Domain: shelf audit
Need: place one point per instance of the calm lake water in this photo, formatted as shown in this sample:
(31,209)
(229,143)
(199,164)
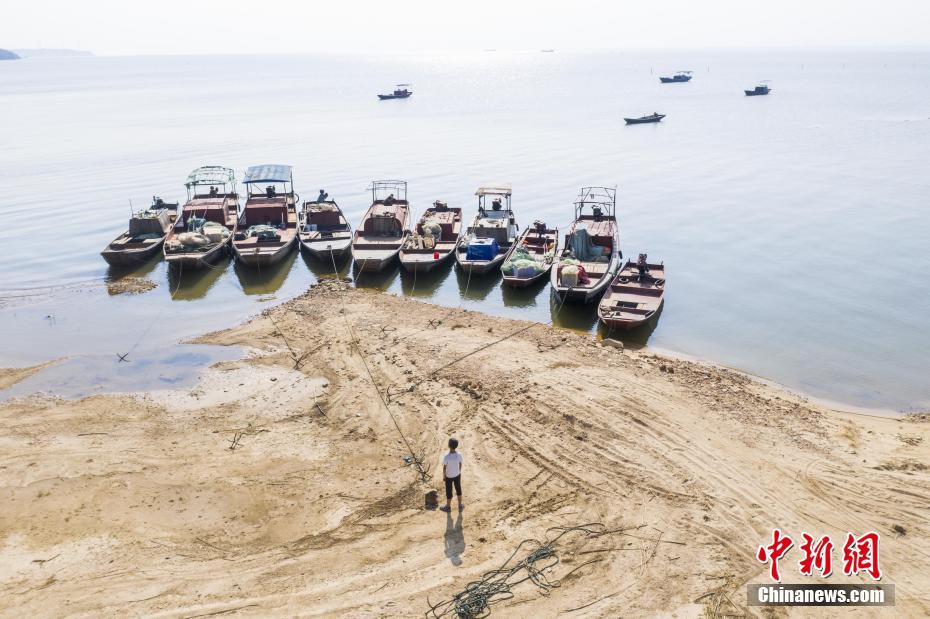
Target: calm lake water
(794,227)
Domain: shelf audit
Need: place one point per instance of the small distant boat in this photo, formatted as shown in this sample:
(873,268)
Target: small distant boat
(434,238)
(635,295)
(384,228)
(530,258)
(590,255)
(402,91)
(491,234)
(207,221)
(761,89)
(323,230)
(267,229)
(548,51)
(652,118)
(681,76)
(148,229)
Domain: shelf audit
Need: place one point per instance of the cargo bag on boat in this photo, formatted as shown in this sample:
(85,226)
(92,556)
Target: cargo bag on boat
(148,222)
(482,249)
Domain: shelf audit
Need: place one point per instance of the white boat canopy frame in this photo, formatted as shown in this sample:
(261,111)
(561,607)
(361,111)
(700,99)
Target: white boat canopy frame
(495,190)
(602,197)
(384,188)
(211,175)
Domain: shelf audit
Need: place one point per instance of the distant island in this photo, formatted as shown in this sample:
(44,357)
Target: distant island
(50,53)
(8,55)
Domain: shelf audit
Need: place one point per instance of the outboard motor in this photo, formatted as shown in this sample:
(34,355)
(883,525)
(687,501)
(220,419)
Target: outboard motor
(598,213)
(540,227)
(270,191)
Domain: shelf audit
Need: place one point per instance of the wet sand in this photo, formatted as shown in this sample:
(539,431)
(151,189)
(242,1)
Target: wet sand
(278,485)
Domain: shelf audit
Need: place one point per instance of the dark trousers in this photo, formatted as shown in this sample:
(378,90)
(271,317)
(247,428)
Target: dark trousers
(457,481)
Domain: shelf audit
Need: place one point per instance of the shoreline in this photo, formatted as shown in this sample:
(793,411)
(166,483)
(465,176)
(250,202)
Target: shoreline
(281,483)
(826,402)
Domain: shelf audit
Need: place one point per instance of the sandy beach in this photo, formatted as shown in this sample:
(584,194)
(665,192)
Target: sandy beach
(283,483)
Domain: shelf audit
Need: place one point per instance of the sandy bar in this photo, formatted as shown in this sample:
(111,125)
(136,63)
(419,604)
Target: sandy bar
(278,486)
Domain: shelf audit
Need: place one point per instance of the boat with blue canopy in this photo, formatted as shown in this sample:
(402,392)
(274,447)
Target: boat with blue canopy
(268,223)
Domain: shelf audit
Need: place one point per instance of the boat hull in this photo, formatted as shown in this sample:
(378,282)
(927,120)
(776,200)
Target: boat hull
(423,266)
(261,256)
(752,93)
(327,251)
(525,282)
(480,267)
(197,260)
(628,324)
(131,257)
(643,121)
(374,263)
(386,97)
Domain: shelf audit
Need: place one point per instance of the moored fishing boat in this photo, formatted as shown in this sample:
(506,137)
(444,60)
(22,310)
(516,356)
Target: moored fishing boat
(147,231)
(434,238)
(681,76)
(491,234)
(324,231)
(207,221)
(384,228)
(591,254)
(651,118)
(268,223)
(635,295)
(530,258)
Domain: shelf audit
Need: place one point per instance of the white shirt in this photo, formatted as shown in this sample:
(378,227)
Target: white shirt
(453,462)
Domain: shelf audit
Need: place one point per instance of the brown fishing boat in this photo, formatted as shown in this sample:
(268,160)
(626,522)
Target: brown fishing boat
(635,295)
(530,258)
(324,231)
(434,238)
(207,221)
(591,255)
(383,230)
(148,229)
(268,223)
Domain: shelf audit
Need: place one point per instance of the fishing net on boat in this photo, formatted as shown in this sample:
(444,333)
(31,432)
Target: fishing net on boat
(521,264)
(193,240)
(217,233)
(263,232)
(583,247)
(432,228)
(571,273)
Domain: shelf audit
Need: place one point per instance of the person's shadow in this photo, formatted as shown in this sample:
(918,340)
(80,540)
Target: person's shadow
(454,539)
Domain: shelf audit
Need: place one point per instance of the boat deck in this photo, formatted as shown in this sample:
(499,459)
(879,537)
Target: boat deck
(630,299)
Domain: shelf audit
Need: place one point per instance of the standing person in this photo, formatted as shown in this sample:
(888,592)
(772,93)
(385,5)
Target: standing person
(452,474)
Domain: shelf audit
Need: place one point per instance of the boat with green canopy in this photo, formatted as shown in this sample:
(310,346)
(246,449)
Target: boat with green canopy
(207,221)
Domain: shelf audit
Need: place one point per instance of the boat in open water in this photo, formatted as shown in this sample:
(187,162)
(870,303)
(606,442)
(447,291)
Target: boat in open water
(268,223)
(652,118)
(148,229)
(401,91)
(434,238)
(207,221)
(681,76)
(591,255)
(323,230)
(761,89)
(493,231)
(530,258)
(384,228)
(635,295)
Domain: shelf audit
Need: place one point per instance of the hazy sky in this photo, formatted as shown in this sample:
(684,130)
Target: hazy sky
(230,26)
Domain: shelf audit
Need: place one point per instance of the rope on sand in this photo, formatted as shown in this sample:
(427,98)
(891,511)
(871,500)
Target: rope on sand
(474,602)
